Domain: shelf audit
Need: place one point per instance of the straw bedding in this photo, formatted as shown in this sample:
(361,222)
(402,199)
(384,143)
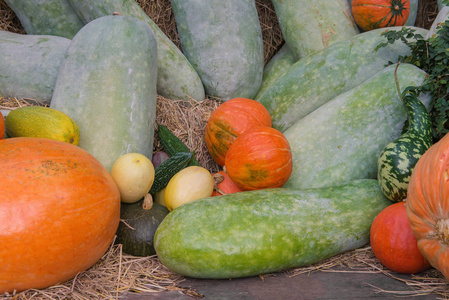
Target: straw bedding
(117,273)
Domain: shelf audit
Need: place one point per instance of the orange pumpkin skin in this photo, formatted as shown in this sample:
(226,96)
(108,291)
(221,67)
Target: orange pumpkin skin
(227,186)
(259,158)
(2,126)
(228,121)
(372,14)
(428,204)
(59,212)
(393,242)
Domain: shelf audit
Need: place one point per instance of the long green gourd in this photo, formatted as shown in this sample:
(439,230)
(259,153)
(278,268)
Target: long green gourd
(263,231)
(107,85)
(176,78)
(30,64)
(47,17)
(341,140)
(309,26)
(278,64)
(320,77)
(223,41)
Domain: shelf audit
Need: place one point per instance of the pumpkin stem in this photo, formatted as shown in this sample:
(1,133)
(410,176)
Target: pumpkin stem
(442,230)
(218,178)
(147,202)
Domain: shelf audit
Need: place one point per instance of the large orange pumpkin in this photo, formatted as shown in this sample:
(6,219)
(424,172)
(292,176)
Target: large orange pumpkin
(393,242)
(372,14)
(59,212)
(428,204)
(228,121)
(259,158)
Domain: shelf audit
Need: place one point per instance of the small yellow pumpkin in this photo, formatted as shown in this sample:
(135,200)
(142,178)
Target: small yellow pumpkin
(134,175)
(189,184)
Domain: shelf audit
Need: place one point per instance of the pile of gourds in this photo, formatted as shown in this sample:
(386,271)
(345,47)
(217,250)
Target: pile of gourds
(311,143)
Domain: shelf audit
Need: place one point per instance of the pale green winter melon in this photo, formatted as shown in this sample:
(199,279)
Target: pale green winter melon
(176,77)
(278,64)
(47,17)
(308,26)
(29,64)
(263,231)
(320,77)
(223,41)
(107,85)
(442,16)
(341,140)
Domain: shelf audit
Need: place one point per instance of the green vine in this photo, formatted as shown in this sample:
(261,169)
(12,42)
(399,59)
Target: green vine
(432,56)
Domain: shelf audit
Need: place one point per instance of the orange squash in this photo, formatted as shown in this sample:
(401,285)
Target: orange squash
(372,14)
(2,126)
(228,121)
(393,242)
(224,184)
(428,204)
(59,212)
(259,158)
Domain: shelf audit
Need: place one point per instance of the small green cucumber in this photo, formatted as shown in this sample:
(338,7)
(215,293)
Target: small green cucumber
(169,168)
(257,232)
(172,144)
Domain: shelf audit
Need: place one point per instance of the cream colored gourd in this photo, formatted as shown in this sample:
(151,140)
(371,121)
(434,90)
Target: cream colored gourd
(134,175)
(188,185)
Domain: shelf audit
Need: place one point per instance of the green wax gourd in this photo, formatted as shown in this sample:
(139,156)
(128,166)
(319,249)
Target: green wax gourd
(257,232)
(223,41)
(107,85)
(309,26)
(30,64)
(47,17)
(176,77)
(341,140)
(316,79)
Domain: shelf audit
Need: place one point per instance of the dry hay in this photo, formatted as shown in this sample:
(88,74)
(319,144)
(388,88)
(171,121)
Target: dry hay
(117,273)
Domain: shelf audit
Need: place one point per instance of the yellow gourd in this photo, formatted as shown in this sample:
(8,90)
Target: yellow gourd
(188,185)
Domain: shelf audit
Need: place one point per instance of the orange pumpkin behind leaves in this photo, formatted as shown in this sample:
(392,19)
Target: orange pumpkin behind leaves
(228,121)
(259,158)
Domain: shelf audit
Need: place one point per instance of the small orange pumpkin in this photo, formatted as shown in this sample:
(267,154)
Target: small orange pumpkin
(372,14)
(259,158)
(428,204)
(224,184)
(228,121)
(393,242)
(59,212)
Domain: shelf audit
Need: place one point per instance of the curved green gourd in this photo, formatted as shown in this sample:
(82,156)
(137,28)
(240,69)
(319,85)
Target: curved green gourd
(176,78)
(397,160)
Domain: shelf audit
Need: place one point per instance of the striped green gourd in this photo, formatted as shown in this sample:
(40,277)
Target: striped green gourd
(341,140)
(107,85)
(47,17)
(223,41)
(320,77)
(176,77)
(30,64)
(257,232)
(398,159)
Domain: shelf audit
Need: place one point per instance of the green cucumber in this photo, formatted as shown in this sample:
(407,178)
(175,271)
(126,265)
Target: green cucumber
(47,17)
(107,85)
(398,159)
(176,78)
(172,144)
(320,77)
(223,41)
(278,64)
(257,232)
(341,140)
(169,168)
(30,64)
(309,26)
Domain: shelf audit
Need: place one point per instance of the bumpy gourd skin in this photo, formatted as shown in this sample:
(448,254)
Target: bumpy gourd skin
(257,232)
(223,41)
